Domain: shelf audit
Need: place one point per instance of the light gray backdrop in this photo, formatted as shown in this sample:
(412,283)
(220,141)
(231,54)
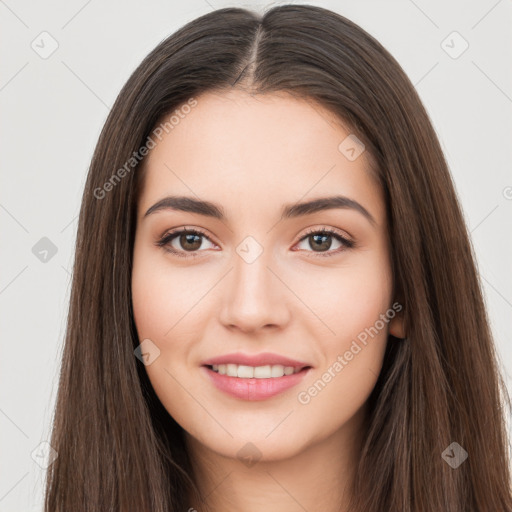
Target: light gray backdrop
(62,66)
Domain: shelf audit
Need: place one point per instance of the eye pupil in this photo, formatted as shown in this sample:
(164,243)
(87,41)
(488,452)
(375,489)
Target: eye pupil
(323,245)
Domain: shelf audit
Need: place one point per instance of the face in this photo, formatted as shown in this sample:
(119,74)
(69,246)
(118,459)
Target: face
(313,285)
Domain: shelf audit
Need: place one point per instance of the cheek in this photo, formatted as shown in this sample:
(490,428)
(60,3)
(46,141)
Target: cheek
(149,304)
(166,303)
(161,296)
(160,306)
(347,299)
(352,362)
(355,308)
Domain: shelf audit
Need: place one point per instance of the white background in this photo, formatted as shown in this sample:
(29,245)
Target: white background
(53,109)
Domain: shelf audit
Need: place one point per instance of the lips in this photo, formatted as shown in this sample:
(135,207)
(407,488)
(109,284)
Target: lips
(262,359)
(252,389)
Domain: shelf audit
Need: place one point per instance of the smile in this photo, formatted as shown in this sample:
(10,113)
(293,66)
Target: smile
(257,372)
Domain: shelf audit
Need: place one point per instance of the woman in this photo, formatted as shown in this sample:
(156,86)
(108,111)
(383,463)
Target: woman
(221,353)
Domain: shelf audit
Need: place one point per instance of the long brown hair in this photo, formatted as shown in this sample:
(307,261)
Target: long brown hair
(119,449)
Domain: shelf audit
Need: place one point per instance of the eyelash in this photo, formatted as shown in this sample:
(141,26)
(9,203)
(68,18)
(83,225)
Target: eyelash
(168,237)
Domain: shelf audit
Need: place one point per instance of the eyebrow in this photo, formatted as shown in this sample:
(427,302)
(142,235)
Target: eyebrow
(209,209)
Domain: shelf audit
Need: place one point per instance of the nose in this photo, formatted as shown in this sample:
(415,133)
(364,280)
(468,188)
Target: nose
(254,296)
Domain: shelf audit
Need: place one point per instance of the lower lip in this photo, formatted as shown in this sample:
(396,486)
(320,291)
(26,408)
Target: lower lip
(254,389)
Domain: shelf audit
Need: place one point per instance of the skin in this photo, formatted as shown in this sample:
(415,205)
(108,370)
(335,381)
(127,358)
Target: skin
(252,155)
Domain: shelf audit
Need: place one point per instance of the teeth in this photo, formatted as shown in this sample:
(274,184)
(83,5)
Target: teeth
(258,372)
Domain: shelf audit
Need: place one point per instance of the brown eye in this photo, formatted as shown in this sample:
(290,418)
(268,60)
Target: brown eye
(190,241)
(187,240)
(321,241)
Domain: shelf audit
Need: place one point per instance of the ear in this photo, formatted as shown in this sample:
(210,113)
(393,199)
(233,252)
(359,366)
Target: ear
(396,326)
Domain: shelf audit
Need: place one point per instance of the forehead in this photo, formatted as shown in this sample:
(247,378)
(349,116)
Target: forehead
(237,148)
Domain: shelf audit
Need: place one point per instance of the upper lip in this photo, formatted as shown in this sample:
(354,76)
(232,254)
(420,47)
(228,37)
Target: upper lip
(263,359)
